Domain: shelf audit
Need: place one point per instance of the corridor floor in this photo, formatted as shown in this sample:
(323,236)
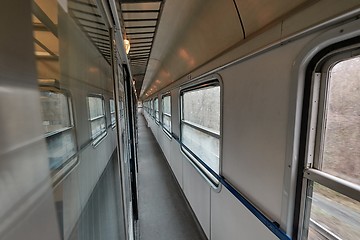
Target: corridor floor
(163,212)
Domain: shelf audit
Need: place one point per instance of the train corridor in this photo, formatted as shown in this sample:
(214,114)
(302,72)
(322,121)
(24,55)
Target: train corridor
(163,211)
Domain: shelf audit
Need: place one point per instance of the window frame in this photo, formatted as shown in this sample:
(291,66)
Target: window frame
(168,132)
(212,80)
(98,138)
(112,123)
(156,112)
(58,174)
(148,107)
(152,108)
(312,167)
(69,105)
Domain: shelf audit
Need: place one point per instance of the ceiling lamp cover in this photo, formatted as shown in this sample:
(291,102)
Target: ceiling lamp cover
(127,46)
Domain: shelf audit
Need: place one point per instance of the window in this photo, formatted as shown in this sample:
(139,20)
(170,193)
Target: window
(166,113)
(146,105)
(200,125)
(332,174)
(112,112)
(121,114)
(97,117)
(58,127)
(152,108)
(156,109)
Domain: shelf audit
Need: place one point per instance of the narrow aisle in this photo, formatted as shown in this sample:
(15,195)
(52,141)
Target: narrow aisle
(163,213)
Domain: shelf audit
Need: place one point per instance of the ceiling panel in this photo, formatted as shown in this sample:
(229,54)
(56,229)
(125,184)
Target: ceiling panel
(191,33)
(87,15)
(140,30)
(132,36)
(140,45)
(141,6)
(256,14)
(48,40)
(141,15)
(48,7)
(139,21)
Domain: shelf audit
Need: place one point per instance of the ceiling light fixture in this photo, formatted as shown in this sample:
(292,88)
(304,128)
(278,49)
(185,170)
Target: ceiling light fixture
(127,46)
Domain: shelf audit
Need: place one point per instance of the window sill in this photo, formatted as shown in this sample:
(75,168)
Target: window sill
(98,139)
(61,173)
(167,133)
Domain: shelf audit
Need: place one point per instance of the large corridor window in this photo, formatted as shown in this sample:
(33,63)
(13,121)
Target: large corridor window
(112,112)
(152,108)
(166,113)
(332,176)
(200,125)
(97,117)
(58,127)
(148,109)
(145,105)
(156,109)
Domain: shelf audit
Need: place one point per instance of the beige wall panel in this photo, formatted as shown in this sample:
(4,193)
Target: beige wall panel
(310,16)
(256,96)
(197,191)
(71,202)
(244,48)
(177,162)
(256,14)
(230,220)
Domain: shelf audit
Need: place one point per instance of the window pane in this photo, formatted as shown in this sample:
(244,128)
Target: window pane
(167,122)
(112,105)
(166,105)
(341,151)
(204,146)
(97,127)
(113,119)
(60,148)
(333,214)
(156,105)
(202,107)
(56,116)
(157,115)
(156,109)
(112,111)
(96,107)
(55,111)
